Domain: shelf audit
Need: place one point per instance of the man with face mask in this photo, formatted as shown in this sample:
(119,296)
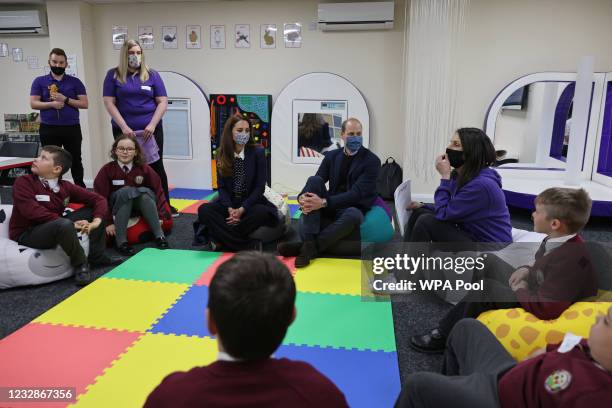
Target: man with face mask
(329,215)
(59,97)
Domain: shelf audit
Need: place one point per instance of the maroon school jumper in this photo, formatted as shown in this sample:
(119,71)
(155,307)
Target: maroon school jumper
(553,379)
(31,208)
(111,178)
(266,383)
(566,275)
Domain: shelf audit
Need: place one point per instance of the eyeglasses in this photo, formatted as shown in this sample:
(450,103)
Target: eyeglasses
(125,149)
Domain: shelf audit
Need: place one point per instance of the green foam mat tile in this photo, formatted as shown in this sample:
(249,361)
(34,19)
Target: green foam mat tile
(342,321)
(155,265)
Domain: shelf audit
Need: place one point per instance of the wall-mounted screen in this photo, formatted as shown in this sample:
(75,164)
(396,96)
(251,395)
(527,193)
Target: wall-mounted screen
(316,128)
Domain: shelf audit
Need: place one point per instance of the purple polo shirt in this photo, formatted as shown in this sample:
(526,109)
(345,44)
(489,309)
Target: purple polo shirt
(69,86)
(134,100)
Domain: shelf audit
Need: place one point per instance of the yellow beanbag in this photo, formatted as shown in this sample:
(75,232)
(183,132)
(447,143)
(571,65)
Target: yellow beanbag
(521,333)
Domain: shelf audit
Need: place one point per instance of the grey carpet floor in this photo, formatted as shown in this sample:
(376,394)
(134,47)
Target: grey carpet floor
(411,314)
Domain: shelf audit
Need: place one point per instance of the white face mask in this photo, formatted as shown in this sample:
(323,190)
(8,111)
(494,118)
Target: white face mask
(241,138)
(134,60)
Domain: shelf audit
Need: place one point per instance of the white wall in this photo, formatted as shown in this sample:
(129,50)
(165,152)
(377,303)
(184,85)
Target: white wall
(15,77)
(369,59)
(503,40)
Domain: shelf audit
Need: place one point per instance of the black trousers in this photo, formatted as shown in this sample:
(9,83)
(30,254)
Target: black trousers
(61,232)
(158,166)
(233,237)
(473,364)
(496,294)
(70,138)
(326,226)
(423,226)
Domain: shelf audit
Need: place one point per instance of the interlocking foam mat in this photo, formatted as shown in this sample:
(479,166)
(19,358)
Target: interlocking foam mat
(116,339)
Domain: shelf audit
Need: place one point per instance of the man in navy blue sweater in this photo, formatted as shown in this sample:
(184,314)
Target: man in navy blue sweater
(329,215)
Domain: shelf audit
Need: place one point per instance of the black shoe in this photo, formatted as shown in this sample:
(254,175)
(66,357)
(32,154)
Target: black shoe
(107,261)
(174,211)
(82,275)
(126,249)
(289,248)
(257,246)
(307,254)
(433,342)
(161,243)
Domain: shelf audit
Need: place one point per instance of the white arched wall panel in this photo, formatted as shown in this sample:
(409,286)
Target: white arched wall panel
(193,171)
(287,176)
(496,105)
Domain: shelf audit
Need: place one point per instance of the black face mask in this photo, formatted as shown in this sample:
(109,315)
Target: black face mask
(58,70)
(455,158)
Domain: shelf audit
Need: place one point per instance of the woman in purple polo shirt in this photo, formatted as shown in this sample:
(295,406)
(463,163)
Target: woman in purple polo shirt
(135,97)
(59,97)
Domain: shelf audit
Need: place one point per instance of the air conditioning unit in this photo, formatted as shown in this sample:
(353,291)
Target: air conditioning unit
(13,22)
(356,16)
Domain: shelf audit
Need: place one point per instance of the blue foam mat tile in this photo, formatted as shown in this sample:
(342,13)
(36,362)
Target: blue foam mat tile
(190,193)
(367,378)
(186,316)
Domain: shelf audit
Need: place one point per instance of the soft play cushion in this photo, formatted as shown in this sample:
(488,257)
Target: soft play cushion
(138,230)
(521,333)
(376,227)
(20,265)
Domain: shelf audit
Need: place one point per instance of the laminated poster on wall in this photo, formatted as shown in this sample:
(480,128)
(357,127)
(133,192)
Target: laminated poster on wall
(169,38)
(17,54)
(292,34)
(193,37)
(243,36)
(4,50)
(145,37)
(120,34)
(267,36)
(71,67)
(32,61)
(217,36)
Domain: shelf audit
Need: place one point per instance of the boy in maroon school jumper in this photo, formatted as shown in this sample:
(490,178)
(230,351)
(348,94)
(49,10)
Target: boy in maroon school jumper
(39,200)
(561,274)
(251,303)
(479,372)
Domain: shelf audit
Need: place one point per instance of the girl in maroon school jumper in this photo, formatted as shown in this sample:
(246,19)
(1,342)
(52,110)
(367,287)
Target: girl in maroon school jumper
(128,184)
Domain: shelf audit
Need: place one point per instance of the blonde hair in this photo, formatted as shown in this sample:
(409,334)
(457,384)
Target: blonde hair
(122,69)
(569,205)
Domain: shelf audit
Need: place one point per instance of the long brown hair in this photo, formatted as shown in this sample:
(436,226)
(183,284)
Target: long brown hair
(225,154)
(138,157)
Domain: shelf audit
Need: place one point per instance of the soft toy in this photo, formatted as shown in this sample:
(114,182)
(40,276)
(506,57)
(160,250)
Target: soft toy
(20,265)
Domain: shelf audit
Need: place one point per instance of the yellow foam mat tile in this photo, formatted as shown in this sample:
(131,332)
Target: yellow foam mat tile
(291,201)
(132,377)
(333,276)
(116,304)
(180,203)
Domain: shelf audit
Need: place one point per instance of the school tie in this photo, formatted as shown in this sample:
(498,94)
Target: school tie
(126,169)
(45,184)
(542,249)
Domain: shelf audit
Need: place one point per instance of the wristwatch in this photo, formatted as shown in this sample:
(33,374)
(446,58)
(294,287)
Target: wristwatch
(66,100)
(324,203)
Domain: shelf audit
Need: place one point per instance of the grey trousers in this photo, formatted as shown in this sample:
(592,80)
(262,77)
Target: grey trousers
(473,364)
(127,199)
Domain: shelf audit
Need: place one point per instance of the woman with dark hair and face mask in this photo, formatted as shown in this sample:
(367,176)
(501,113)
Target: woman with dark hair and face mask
(469,205)
(135,97)
(59,97)
(241,178)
